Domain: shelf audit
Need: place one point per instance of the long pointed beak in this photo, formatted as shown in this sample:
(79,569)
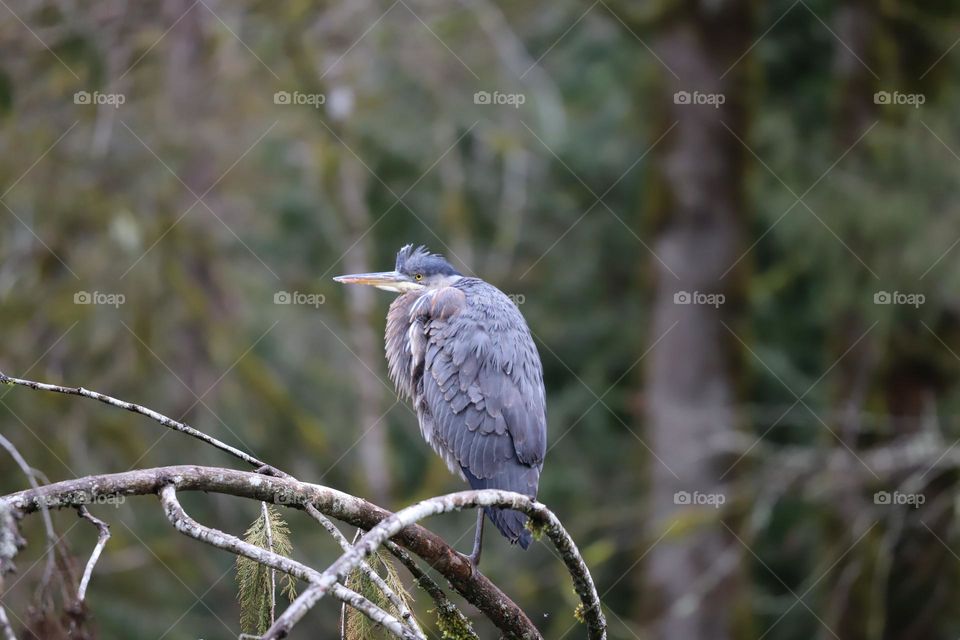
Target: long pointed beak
(375,279)
(387,280)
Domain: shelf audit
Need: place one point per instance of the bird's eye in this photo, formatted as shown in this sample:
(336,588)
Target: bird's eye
(419,276)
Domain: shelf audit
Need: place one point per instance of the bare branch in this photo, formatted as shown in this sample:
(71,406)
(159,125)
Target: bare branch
(190,527)
(454,567)
(10,544)
(170,423)
(274,486)
(294,613)
(446,609)
(29,472)
(103,534)
(5,626)
(395,600)
(539,514)
(797,465)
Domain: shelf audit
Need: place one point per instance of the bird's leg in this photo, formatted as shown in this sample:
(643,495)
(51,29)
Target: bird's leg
(477,540)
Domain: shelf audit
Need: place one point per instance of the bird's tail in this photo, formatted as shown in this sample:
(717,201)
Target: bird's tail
(512,524)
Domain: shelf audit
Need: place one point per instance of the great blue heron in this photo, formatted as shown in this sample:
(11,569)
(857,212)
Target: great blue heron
(459,349)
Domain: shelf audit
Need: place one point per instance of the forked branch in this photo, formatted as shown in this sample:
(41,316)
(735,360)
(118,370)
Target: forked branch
(541,517)
(190,527)
(503,612)
(456,568)
(273,486)
(398,602)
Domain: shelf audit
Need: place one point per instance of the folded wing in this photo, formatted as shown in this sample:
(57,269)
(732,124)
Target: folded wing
(477,385)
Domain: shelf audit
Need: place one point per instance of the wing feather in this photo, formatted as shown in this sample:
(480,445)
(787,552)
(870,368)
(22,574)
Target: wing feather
(478,387)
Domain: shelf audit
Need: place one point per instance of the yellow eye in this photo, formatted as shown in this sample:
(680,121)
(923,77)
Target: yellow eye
(419,276)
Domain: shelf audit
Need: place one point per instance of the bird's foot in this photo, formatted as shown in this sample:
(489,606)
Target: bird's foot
(474,560)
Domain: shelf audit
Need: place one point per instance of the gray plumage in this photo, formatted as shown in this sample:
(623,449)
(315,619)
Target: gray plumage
(460,350)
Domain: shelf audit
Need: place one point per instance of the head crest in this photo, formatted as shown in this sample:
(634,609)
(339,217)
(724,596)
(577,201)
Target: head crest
(408,252)
(420,257)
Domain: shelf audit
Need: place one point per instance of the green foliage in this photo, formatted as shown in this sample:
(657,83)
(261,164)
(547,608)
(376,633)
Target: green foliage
(358,626)
(256,591)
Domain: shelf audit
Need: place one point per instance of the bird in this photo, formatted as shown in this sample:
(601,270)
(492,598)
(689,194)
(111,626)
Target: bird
(461,352)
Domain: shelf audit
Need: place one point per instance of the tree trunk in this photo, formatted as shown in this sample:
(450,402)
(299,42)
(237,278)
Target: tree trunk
(689,389)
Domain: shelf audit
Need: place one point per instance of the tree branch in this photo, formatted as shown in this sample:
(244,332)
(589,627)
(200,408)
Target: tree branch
(29,472)
(390,526)
(447,611)
(482,593)
(170,423)
(5,627)
(10,544)
(454,567)
(405,614)
(190,527)
(103,534)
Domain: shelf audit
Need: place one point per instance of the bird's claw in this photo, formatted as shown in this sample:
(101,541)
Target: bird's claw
(474,560)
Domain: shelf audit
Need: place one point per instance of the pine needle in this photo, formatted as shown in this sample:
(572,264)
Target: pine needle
(357,625)
(255,587)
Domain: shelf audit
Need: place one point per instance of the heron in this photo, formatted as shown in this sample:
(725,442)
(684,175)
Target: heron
(461,352)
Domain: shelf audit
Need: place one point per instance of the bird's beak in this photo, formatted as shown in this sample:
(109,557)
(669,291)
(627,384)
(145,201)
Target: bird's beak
(386,280)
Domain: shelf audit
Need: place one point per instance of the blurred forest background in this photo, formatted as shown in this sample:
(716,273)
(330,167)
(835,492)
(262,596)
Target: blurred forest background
(732,227)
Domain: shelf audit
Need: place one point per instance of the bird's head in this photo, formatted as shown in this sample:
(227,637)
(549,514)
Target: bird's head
(416,269)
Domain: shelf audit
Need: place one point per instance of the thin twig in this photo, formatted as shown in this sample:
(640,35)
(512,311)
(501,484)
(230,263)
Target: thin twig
(103,534)
(170,423)
(10,544)
(295,612)
(47,520)
(391,595)
(221,540)
(273,573)
(445,606)
(343,605)
(543,517)
(475,587)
